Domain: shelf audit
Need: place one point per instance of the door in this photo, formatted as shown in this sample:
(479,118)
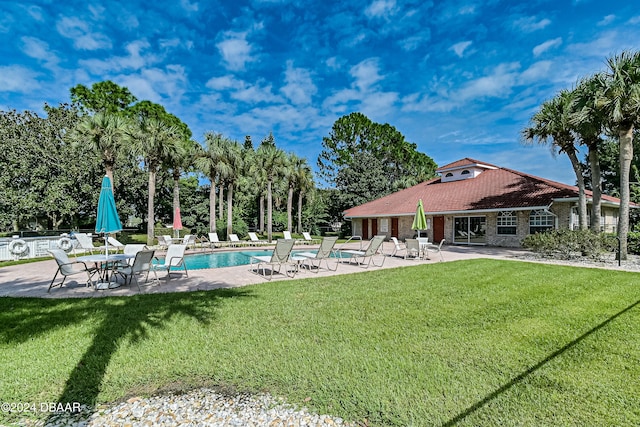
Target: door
(438,229)
(374,226)
(365,228)
(394,227)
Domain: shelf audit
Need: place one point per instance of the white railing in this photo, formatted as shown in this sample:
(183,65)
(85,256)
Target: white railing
(36,247)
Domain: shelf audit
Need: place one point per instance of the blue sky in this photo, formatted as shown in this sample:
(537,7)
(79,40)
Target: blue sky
(459,78)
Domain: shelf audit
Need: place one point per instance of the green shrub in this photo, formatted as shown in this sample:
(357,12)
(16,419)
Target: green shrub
(567,244)
(633,243)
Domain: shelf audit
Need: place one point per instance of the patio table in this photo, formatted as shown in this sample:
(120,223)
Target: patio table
(103,263)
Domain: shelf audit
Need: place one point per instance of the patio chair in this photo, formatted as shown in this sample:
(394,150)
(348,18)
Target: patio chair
(435,248)
(141,265)
(308,239)
(255,241)
(397,247)
(367,255)
(325,252)
(66,268)
(162,242)
(412,249)
(133,249)
(234,240)
(173,258)
(85,242)
(189,240)
(281,256)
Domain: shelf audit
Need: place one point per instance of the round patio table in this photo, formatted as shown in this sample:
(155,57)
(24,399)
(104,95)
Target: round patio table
(103,263)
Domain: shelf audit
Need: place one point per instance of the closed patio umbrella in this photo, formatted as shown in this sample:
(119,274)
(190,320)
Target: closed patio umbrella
(177,222)
(419,220)
(107,220)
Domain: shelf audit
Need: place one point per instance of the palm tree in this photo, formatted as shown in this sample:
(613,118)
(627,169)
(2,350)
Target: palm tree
(621,102)
(106,133)
(588,121)
(289,173)
(551,124)
(232,157)
(155,142)
(211,164)
(179,161)
(272,160)
(304,182)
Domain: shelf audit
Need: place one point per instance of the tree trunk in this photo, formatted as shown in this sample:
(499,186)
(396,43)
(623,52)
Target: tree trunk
(212,207)
(150,208)
(626,155)
(290,209)
(109,172)
(582,198)
(269,212)
(221,201)
(300,195)
(261,213)
(230,209)
(596,186)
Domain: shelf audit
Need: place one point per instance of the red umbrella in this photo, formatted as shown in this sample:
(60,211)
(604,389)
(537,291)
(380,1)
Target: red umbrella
(177,222)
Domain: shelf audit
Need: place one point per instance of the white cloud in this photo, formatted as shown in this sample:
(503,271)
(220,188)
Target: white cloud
(536,72)
(157,85)
(460,47)
(549,44)
(240,90)
(188,6)
(380,9)
(38,49)
(634,20)
(15,78)
(235,50)
(299,87)
(531,24)
(365,74)
(606,20)
(135,60)
(79,32)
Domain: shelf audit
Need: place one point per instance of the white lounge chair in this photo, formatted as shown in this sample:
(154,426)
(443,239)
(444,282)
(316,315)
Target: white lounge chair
(308,239)
(141,265)
(173,258)
(287,235)
(234,240)
(367,255)
(66,268)
(254,240)
(281,256)
(115,243)
(85,242)
(325,253)
(435,248)
(189,240)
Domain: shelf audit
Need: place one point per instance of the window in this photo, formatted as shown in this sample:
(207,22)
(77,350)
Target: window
(448,175)
(465,172)
(507,222)
(541,220)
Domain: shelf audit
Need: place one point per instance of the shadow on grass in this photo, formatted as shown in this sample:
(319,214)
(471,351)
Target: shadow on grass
(519,378)
(119,319)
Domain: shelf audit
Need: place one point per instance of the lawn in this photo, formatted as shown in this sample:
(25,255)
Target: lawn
(480,342)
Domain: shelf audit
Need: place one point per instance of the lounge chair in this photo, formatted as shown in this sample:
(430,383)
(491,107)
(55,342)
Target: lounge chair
(85,242)
(286,235)
(141,265)
(189,240)
(397,247)
(281,256)
(255,241)
(325,252)
(434,248)
(173,258)
(412,249)
(112,241)
(234,240)
(162,242)
(308,239)
(367,255)
(66,267)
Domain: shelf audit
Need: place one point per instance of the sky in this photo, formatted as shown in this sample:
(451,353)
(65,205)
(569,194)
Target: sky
(459,78)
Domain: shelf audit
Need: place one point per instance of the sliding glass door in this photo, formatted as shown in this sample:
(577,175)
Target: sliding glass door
(469,230)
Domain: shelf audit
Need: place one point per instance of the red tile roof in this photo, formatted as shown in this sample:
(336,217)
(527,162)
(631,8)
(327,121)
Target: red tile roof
(493,189)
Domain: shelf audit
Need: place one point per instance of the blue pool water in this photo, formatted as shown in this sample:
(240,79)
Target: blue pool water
(224,259)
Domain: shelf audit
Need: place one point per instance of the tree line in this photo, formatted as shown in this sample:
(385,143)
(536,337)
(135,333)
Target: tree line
(56,163)
(602,107)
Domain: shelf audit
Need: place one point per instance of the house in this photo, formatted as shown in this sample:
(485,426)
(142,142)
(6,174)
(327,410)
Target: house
(476,203)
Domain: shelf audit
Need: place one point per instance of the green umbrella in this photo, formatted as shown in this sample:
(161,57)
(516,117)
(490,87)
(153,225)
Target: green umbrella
(419,220)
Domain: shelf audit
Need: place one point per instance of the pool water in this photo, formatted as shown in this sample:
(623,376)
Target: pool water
(224,259)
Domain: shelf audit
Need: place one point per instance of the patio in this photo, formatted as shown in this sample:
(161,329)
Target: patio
(32,280)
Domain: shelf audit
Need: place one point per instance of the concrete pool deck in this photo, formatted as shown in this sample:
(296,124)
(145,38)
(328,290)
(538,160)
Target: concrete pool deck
(32,279)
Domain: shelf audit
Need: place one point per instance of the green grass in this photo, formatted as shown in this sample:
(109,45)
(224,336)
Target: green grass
(480,342)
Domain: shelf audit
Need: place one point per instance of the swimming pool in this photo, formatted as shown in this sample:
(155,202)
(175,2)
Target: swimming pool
(224,259)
